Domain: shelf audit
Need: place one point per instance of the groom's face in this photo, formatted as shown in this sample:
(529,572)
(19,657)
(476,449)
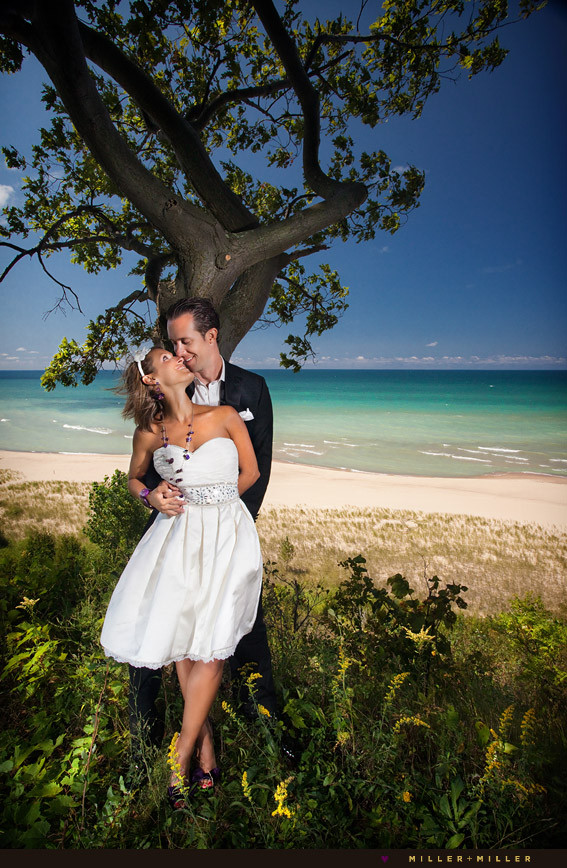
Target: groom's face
(197,351)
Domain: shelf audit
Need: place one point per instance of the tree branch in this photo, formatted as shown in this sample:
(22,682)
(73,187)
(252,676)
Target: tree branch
(153,273)
(306,251)
(308,97)
(58,47)
(242,94)
(272,239)
(189,150)
(126,241)
(137,295)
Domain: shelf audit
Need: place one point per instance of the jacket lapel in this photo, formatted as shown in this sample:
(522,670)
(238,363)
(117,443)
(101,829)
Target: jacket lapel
(231,389)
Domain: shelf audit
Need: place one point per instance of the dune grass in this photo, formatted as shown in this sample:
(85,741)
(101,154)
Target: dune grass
(53,507)
(497,560)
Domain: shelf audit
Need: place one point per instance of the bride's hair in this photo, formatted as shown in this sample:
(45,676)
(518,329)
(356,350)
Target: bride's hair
(142,402)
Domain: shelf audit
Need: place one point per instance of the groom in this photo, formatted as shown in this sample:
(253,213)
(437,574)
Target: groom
(193,327)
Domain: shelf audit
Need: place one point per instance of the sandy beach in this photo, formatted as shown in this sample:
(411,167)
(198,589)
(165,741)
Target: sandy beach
(510,498)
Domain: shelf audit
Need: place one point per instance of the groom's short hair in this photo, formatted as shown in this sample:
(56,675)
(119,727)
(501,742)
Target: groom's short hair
(204,315)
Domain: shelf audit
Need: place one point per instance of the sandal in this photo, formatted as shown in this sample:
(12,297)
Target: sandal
(178,796)
(175,798)
(203,780)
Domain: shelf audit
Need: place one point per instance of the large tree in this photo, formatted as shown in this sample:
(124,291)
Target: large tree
(156,108)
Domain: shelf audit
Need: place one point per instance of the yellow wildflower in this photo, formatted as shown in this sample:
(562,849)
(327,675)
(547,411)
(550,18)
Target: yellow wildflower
(175,765)
(227,707)
(246,788)
(27,603)
(280,796)
(527,789)
(505,722)
(407,797)
(414,720)
(527,728)
(250,681)
(492,761)
(264,711)
(394,685)
(419,639)
(338,679)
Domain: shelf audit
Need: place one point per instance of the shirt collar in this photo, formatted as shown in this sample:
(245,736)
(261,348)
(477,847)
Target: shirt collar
(221,378)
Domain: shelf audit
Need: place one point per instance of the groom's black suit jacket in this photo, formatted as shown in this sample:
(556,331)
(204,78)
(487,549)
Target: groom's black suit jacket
(245,390)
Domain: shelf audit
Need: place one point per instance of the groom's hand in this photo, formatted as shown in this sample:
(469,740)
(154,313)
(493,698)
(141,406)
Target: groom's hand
(165,498)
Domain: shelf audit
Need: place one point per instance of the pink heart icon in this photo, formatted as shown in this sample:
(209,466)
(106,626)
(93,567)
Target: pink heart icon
(384,858)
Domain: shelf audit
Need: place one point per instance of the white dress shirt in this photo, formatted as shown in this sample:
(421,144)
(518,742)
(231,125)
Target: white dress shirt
(208,393)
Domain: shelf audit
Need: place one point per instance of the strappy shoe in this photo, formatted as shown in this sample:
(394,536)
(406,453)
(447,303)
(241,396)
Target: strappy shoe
(178,796)
(202,780)
(175,798)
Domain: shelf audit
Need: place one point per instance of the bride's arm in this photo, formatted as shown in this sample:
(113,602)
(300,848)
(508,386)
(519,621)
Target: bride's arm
(247,464)
(165,497)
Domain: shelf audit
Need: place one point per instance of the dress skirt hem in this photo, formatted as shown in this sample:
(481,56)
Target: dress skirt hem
(221,654)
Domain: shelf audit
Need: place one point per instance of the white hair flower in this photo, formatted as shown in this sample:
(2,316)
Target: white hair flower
(140,355)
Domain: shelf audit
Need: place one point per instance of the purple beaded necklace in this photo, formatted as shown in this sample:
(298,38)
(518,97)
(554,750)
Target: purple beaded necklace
(186,453)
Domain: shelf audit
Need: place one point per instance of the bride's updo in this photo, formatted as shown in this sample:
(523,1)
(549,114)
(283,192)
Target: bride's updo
(144,404)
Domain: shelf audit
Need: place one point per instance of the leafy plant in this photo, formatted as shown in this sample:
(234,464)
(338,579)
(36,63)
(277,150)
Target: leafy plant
(384,758)
(116,519)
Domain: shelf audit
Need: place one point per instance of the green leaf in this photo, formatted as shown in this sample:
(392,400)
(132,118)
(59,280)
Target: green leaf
(457,787)
(482,733)
(400,586)
(455,841)
(47,790)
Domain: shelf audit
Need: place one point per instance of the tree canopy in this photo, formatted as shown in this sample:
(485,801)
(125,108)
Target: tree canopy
(158,109)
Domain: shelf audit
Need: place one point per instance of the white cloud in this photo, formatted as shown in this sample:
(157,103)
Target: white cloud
(5,193)
(385,249)
(20,350)
(501,269)
(523,362)
(432,344)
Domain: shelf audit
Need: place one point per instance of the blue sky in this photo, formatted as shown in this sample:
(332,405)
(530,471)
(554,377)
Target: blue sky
(475,279)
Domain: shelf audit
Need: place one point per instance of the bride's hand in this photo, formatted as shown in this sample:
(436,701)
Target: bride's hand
(165,498)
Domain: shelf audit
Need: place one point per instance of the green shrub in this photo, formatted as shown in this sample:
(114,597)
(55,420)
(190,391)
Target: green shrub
(397,745)
(116,519)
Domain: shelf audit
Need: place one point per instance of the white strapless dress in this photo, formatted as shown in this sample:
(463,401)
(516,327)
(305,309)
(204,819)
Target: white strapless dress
(192,586)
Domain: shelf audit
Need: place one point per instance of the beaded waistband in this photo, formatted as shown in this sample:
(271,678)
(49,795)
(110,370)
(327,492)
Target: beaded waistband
(211,495)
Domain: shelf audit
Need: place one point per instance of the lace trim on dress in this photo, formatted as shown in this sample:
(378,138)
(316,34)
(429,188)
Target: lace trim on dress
(223,654)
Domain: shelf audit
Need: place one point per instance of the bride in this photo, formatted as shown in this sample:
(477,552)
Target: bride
(190,591)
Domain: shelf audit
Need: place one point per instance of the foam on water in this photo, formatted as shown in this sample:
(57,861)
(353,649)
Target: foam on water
(85,428)
(456,457)
(429,423)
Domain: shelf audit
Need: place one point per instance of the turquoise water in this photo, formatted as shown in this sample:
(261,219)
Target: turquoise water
(425,423)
